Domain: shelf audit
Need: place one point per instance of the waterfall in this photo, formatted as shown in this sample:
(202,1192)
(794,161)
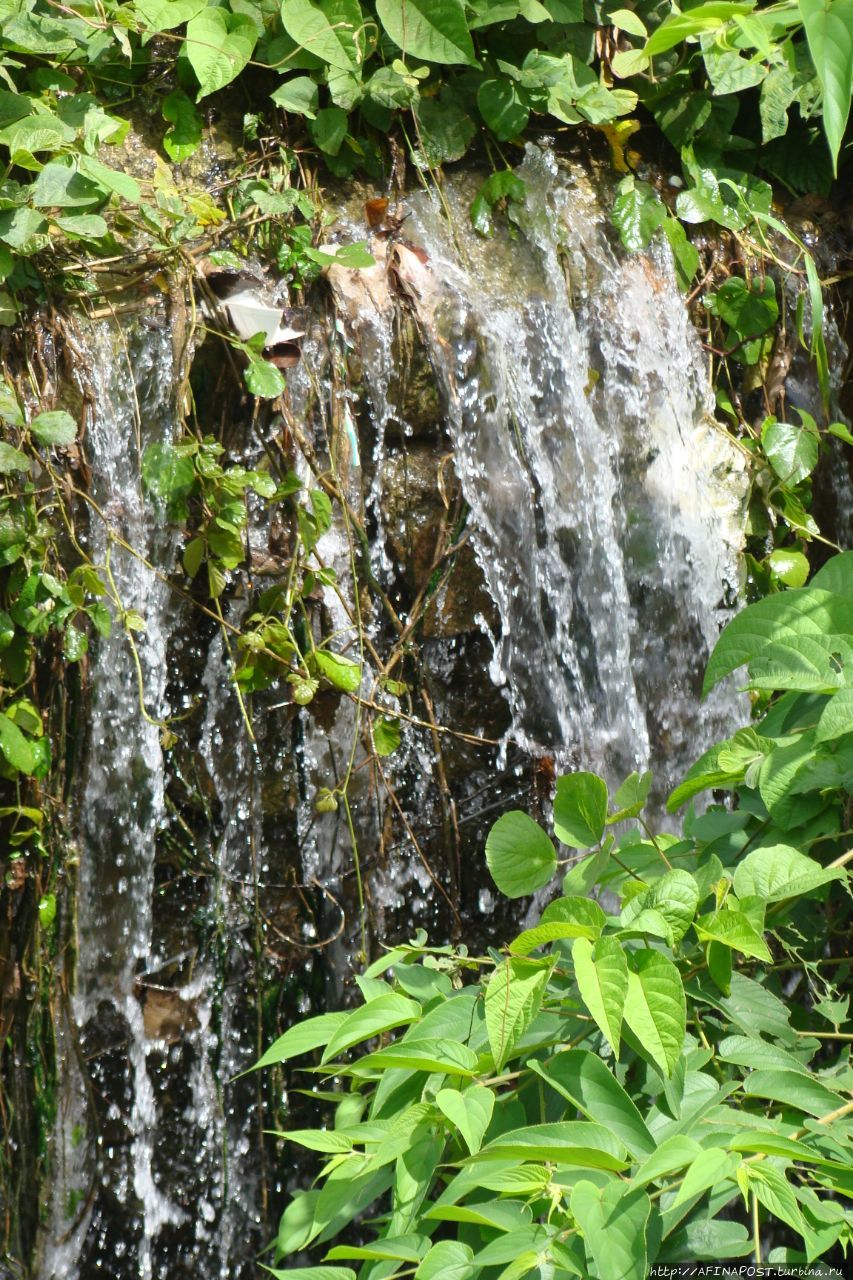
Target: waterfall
(600,514)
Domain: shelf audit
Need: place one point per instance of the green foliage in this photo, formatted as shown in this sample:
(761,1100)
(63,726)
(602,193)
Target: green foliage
(614,1091)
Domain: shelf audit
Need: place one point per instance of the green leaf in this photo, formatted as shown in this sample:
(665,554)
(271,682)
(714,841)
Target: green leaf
(122,184)
(580,809)
(312,1273)
(637,213)
(85,226)
(709,1168)
(299,95)
(386,735)
(182,139)
(15,747)
(584,1079)
(583,915)
(681,26)
(674,1153)
(519,855)
(503,185)
(445,1056)
(778,871)
(445,131)
(329,129)
(513,997)
(332,30)
(447,1260)
(793,1089)
(602,977)
(338,670)
(60,186)
(382,1014)
(12,460)
(503,107)
(631,797)
(613,1222)
(313,1033)
(836,719)
(773,1190)
(655,1008)
(470,1111)
(735,930)
(219,44)
(165,15)
(805,611)
(675,895)
(574,1144)
(434,30)
(829,32)
(790,567)
(391,1248)
(263,379)
(792,451)
(168,476)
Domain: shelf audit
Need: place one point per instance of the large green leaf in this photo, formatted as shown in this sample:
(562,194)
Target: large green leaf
(15,747)
(829,31)
(519,855)
(792,451)
(675,895)
(602,977)
(447,1260)
(164,15)
(673,1153)
(431,1055)
(613,1223)
(513,997)
(469,1110)
(805,611)
(735,930)
(219,44)
(571,1143)
(580,809)
(332,30)
(778,871)
(655,1008)
(703,17)
(709,1168)
(793,1089)
(434,30)
(342,672)
(836,719)
(583,1078)
(382,1014)
(305,1036)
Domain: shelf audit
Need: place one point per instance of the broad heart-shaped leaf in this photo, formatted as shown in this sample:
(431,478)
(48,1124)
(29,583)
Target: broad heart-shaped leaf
(583,914)
(513,997)
(803,663)
(305,1036)
(829,32)
(447,1260)
(655,1008)
(778,872)
(435,30)
(586,1081)
(502,107)
(807,611)
(298,94)
(575,1144)
(519,855)
(836,719)
(470,1111)
(332,30)
(12,459)
(382,1014)
(219,44)
(54,427)
(602,977)
(263,379)
(791,450)
(580,809)
(182,139)
(735,930)
(613,1223)
(675,896)
(637,213)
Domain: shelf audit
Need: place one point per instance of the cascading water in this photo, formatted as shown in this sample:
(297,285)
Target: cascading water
(603,506)
(605,503)
(121,809)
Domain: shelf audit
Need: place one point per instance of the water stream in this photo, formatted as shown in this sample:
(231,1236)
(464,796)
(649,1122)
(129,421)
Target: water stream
(603,509)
